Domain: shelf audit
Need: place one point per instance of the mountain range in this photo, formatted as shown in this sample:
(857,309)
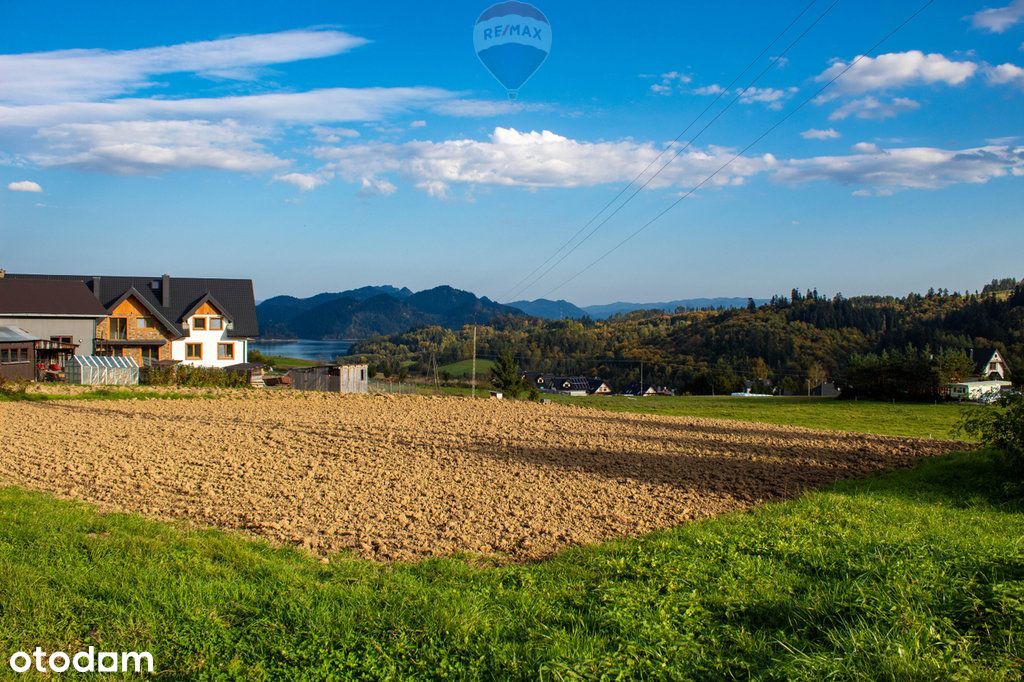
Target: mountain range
(372,311)
(381,310)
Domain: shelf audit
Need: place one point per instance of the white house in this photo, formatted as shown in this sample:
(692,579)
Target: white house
(989,379)
(208,343)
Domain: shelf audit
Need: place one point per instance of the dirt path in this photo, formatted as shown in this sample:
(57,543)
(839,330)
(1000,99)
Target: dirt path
(405,478)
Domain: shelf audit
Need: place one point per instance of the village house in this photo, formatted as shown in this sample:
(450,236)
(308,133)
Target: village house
(167,320)
(991,377)
(564,385)
(598,387)
(42,323)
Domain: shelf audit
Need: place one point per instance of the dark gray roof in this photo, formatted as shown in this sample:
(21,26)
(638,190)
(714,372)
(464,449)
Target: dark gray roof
(233,296)
(47,296)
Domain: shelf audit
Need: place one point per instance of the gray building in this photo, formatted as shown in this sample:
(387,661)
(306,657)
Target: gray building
(61,311)
(331,378)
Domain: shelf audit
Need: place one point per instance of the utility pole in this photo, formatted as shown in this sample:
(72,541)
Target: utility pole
(474,360)
(641,378)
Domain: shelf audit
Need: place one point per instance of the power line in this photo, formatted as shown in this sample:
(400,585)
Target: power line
(689,142)
(669,146)
(745,149)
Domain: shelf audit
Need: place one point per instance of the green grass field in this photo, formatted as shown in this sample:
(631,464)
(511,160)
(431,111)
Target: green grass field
(864,416)
(103,394)
(914,575)
(281,362)
(463,369)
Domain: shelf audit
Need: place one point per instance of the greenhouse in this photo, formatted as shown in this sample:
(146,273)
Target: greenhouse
(101,370)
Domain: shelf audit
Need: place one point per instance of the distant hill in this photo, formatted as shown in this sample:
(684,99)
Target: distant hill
(601,312)
(550,310)
(557,310)
(373,311)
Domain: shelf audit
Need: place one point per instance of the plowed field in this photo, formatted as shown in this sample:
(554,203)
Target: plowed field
(411,477)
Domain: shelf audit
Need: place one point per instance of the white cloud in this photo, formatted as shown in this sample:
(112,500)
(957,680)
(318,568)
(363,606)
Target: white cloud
(333,135)
(873,108)
(894,70)
(999,19)
(532,160)
(511,158)
(772,97)
(304,181)
(865,148)
(310,107)
(671,81)
(1005,74)
(819,134)
(90,74)
(880,171)
(134,147)
(24,186)
(418,124)
(713,89)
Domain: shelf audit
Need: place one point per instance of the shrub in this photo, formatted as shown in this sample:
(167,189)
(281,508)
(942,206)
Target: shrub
(197,377)
(13,387)
(1000,426)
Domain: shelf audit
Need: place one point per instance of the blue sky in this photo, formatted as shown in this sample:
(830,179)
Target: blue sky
(323,145)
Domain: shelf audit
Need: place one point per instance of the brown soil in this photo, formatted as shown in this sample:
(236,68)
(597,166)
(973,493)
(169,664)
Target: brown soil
(411,477)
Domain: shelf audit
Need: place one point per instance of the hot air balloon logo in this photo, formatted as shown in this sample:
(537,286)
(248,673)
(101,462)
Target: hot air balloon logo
(512,40)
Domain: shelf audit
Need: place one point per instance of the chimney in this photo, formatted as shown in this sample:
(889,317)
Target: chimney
(165,291)
(96,287)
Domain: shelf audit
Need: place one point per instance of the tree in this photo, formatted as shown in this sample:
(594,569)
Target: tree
(1001,427)
(953,366)
(505,375)
(816,375)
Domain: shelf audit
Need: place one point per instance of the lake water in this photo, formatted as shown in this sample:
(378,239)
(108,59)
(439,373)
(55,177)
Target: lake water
(306,349)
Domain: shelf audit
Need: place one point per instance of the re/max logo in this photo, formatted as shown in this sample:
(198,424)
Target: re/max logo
(512,30)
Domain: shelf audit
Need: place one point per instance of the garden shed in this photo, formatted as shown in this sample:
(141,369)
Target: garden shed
(331,378)
(101,370)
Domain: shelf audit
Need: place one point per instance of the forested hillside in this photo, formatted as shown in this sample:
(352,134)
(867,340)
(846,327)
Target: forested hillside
(784,343)
(372,311)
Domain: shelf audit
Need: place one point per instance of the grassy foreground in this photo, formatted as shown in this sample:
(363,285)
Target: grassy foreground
(920,420)
(917,574)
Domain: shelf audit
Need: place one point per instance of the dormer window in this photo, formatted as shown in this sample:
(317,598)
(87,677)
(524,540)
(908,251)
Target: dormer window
(216,323)
(199,323)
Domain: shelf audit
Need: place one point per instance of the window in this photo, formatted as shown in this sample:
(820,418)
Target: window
(145,323)
(225,351)
(61,339)
(362,375)
(23,355)
(5,355)
(199,323)
(193,351)
(216,323)
(119,328)
(150,355)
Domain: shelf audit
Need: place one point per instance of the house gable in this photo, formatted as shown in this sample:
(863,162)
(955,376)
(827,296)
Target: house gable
(132,303)
(207,305)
